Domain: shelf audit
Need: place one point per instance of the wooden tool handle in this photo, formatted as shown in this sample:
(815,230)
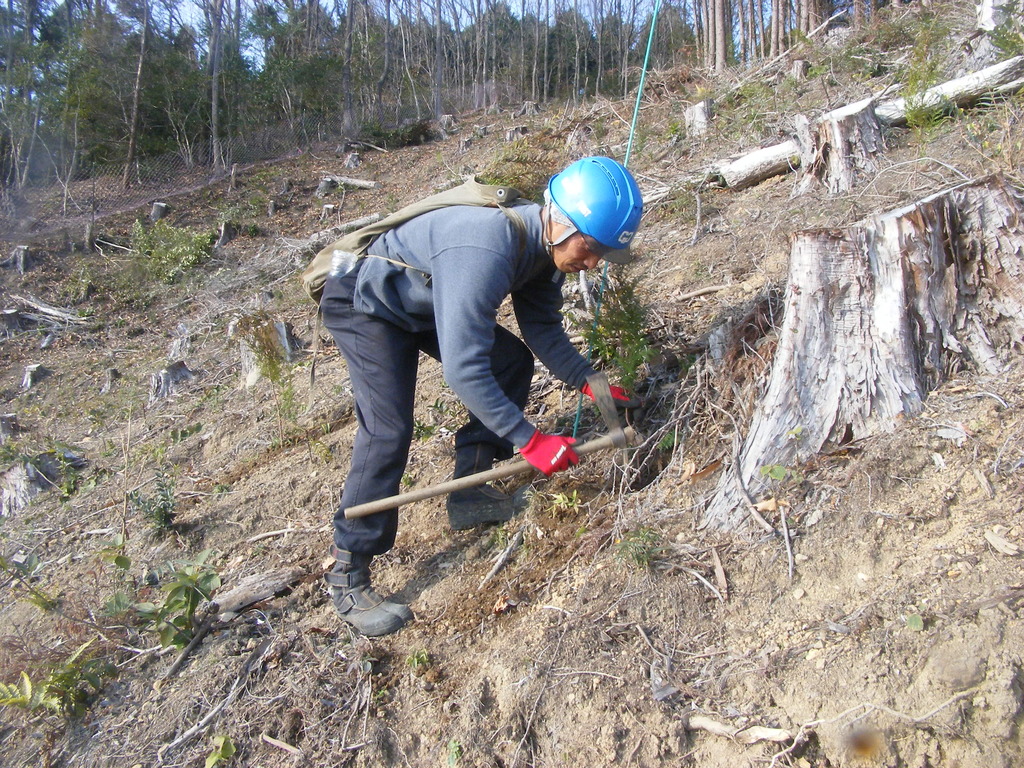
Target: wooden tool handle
(471,481)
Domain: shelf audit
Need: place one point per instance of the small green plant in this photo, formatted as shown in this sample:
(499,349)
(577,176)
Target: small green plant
(169,251)
(418,661)
(68,689)
(422,431)
(177,435)
(223,750)
(1008,36)
(566,503)
(454,752)
(780,473)
(617,337)
(158,509)
(924,113)
(22,570)
(639,548)
(189,585)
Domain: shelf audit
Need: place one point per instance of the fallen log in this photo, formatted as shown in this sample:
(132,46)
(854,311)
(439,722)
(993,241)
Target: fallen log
(1003,78)
(346,181)
(319,240)
(54,313)
(754,167)
(876,316)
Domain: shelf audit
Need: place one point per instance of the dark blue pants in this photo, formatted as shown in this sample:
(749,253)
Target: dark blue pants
(382,363)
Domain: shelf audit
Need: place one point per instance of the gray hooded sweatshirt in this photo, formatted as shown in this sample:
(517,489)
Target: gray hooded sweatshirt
(466,261)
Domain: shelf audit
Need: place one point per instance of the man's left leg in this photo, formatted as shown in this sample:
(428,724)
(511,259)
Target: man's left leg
(477,447)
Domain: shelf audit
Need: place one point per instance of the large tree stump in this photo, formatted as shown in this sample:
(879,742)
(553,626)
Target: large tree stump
(840,147)
(876,316)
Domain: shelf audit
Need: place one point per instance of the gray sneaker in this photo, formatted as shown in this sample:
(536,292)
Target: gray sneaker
(357,603)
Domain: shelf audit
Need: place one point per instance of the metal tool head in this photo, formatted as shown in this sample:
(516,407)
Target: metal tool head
(602,392)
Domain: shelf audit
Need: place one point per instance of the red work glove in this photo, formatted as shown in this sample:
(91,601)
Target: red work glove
(623,400)
(550,453)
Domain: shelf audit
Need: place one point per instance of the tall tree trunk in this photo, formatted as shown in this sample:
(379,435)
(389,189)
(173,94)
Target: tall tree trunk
(133,126)
(348,109)
(438,62)
(216,17)
(721,36)
(385,70)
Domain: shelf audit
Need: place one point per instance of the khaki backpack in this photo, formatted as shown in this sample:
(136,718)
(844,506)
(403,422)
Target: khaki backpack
(470,192)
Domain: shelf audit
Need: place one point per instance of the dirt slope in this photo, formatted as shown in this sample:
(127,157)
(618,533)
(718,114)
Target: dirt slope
(619,623)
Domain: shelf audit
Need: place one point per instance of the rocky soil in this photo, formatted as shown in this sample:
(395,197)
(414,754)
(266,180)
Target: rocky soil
(884,630)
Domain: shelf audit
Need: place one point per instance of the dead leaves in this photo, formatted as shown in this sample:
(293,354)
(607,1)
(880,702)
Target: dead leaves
(997,539)
(693,475)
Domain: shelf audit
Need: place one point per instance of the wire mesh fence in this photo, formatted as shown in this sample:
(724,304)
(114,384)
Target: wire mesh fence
(76,196)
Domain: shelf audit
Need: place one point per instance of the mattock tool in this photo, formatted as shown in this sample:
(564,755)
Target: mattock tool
(618,437)
(602,392)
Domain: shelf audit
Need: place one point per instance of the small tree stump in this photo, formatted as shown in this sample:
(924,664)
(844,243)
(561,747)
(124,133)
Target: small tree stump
(799,68)
(10,323)
(232,184)
(89,237)
(516,133)
(840,148)
(167,380)
(325,187)
(352,160)
(876,316)
(110,377)
(264,344)
(271,209)
(697,118)
(21,259)
(227,233)
(28,478)
(8,426)
(181,346)
(464,144)
(158,211)
(480,131)
(329,211)
(528,109)
(446,123)
(34,373)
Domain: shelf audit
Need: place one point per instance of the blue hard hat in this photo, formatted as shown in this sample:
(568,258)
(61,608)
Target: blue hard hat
(603,201)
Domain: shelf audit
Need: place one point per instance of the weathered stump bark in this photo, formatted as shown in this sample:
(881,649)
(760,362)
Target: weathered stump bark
(352,160)
(446,122)
(181,346)
(255,588)
(799,68)
(528,109)
(271,209)
(158,211)
(840,148)
(697,118)
(167,380)
(876,316)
